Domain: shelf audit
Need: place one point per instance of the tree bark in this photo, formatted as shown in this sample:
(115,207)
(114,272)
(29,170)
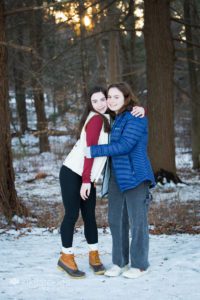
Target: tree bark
(114,66)
(37,84)
(20,91)
(10,204)
(159,64)
(189,16)
(128,48)
(101,62)
(83,53)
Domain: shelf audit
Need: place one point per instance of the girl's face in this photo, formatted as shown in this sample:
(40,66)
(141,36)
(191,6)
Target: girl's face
(99,103)
(115,99)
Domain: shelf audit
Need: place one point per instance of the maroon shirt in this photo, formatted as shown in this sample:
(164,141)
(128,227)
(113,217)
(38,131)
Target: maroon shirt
(93,129)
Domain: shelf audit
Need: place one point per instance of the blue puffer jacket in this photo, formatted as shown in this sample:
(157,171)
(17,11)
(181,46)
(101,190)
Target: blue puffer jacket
(128,149)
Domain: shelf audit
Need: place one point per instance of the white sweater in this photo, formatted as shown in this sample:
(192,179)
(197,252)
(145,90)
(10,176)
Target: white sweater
(75,159)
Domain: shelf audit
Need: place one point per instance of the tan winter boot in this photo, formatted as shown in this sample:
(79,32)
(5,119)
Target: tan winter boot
(95,263)
(67,263)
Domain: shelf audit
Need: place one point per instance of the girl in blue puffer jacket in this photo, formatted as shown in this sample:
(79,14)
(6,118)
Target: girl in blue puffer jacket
(130,179)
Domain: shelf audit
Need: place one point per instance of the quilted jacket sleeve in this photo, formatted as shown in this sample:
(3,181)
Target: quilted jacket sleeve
(132,133)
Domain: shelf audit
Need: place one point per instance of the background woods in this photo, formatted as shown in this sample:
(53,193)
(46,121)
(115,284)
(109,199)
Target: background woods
(52,52)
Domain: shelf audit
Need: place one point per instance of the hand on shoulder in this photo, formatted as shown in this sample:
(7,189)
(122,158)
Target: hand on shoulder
(138,111)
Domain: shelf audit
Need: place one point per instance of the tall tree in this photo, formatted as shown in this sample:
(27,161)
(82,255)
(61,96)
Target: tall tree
(100,48)
(19,78)
(190,11)
(101,61)
(9,202)
(114,65)
(36,21)
(159,65)
(127,42)
(83,51)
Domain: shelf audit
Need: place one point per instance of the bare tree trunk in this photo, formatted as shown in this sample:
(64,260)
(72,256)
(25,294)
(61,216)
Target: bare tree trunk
(160,60)
(18,71)
(101,71)
(114,66)
(20,91)
(83,71)
(83,53)
(101,62)
(20,98)
(37,84)
(114,70)
(128,47)
(189,15)
(10,204)
(132,38)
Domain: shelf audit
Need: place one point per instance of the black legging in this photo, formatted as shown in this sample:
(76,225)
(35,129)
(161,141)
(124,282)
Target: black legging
(70,183)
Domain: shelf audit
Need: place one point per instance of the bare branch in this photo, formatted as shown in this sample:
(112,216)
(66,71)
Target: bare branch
(181,21)
(187,42)
(55,57)
(34,8)
(44,6)
(186,60)
(21,48)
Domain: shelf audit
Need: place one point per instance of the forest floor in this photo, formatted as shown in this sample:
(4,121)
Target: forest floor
(174,209)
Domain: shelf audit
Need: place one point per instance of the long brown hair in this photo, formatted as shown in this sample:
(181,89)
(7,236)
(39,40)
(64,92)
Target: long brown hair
(130,100)
(89,108)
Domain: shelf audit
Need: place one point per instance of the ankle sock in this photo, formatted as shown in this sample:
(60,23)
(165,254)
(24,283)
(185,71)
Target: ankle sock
(93,247)
(69,250)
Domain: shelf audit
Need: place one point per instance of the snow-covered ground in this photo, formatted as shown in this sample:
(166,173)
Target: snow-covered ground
(29,259)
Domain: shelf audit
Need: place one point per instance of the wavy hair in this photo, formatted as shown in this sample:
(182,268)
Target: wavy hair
(89,108)
(130,100)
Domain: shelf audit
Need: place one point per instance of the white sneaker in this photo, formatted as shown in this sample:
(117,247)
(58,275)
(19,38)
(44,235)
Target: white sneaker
(134,273)
(115,271)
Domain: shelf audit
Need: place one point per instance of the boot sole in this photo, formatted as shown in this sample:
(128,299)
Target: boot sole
(136,276)
(74,277)
(98,272)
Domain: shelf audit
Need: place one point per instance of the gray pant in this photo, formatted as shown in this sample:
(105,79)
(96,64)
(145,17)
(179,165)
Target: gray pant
(129,208)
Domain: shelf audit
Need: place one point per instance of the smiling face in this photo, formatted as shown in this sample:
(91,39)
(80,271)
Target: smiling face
(98,101)
(115,99)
